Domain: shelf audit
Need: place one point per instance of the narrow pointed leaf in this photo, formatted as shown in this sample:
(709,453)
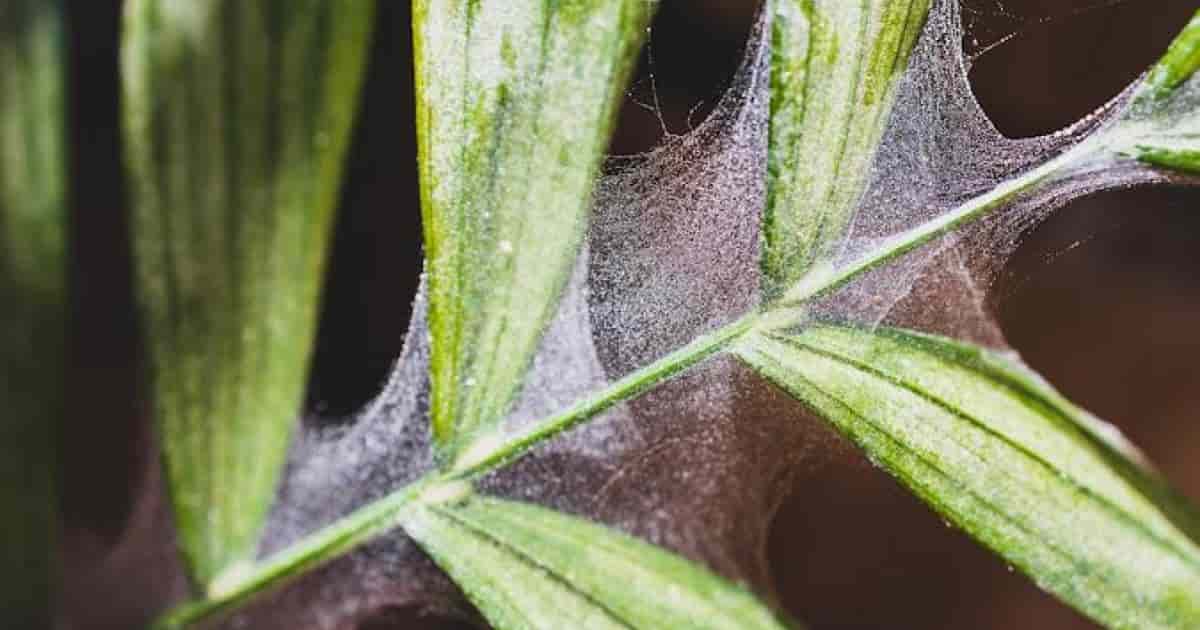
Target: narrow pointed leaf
(529,568)
(237,115)
(996,451)
(834,70)
(1185,158)
(32,302)
(515,102)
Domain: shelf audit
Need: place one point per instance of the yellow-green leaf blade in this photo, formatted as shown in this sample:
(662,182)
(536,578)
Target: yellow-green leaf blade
(236,119)
(33,302)
(834,69)
(528,567)
(1003,456)
(515,102)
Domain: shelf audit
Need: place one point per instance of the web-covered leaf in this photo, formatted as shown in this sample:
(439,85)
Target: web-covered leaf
(671,276)
(528,568)
(834,70)
(515,105)
(1003,456)
(981,440)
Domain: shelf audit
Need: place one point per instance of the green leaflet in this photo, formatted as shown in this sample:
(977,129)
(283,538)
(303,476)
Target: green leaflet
(835,65)
(1180,62)
(1162,124)
(32,302)
(529,568)
(236,117)
(1183,159)
(999,453)
(515,103)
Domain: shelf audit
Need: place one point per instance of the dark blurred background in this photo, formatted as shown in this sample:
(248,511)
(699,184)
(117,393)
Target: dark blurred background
(1102,299)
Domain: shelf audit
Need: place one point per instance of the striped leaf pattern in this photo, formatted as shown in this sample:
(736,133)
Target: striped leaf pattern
(515,105)
(529,568)
(998,452)
(835,65)
(237,115)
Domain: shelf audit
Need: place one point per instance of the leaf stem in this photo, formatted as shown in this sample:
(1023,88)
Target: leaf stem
(314,550)
(823,282)
(488,455)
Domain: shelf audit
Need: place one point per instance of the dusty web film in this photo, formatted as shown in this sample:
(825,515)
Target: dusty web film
(699,464)
(939,151)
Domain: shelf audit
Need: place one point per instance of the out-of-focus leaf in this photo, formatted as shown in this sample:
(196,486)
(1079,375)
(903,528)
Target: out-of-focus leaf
(237,115)
(529,568)
(834,69)
(515,103)
(32,302)
(998,452)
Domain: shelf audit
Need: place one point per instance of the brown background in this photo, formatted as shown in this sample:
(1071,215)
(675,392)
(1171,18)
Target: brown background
(1102,299)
